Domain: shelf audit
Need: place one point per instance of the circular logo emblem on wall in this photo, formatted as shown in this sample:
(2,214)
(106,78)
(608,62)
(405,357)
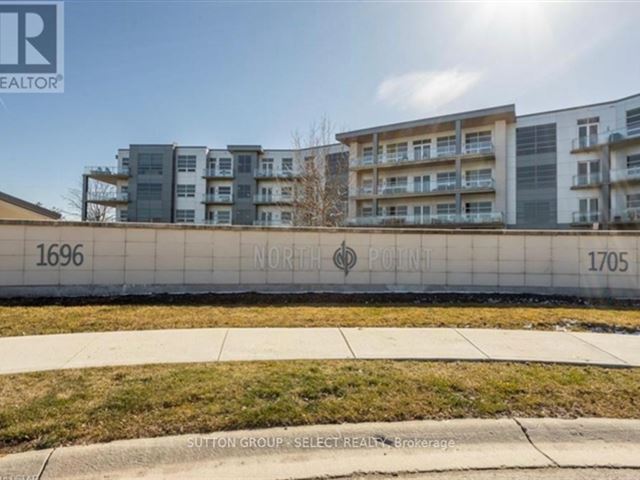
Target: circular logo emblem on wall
(345,258)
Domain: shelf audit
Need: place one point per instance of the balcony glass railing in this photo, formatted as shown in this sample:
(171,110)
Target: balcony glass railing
(426,187)
(473,183)
(608,137)
(429,154)
(101,170)
(108,197)
(218,198)
(273,222)
(447,219)
(586,217)
(587,180)
(628,215)
(218,172)
(274,173)
(625,174)
(222,220)
(273,198)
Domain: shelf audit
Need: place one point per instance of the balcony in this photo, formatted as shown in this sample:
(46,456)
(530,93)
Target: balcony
(469,219)
(222,220)
(621,136)
(272,199)
(432,188)
(107,174)
(585,218)
(586,181)
(108,198)
(478,184)
(429,155)
(217,172)
(628,215)
(274,173)
(273,222)
(224,198)
(625,175)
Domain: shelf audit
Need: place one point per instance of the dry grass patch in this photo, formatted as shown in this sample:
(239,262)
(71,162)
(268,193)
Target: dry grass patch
(49,409)
(33,320)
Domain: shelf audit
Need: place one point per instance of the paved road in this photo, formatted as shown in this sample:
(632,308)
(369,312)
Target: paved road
(343,450)
(82,350)
(516,474)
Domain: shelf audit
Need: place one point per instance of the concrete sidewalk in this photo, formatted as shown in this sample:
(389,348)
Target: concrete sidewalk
(343,450)
(82,350)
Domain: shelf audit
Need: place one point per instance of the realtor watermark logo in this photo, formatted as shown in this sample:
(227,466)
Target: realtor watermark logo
(31,47)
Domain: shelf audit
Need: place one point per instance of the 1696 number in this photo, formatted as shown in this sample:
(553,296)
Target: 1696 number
(61,254)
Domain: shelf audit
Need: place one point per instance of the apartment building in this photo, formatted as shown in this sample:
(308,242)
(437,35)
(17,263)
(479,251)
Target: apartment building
(571,168)
(241,184)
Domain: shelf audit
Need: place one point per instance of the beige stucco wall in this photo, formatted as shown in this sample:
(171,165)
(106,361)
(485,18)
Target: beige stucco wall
(132,258)
(11,211)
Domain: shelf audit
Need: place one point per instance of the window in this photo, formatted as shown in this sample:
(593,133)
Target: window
(446,180)
(149,191)
(397,151)
(150,215)
(536,177)
(480,178)
(633,122)
(224,192)
(446,209)
(367,185)
(588,210)
(285,217)
(475,208)
(125,162)
(367,211)
(287,192)
(395,184)
(287,165)
(244,163)
(124,215)
(421,213)
(422,183)
(186,191)
(244,191)
(266,166)
(421,149)
(185,216)
(633,162)
(588,172)
(588,132)
(478,142)
(633,200)
(446,145)
(150,164)
(536,139)
(186,163)
(225,165)
(124,189)
(397,211)
(536,212)
(220,216)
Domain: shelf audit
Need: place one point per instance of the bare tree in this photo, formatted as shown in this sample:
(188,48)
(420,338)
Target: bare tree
(95,212)
(319,195)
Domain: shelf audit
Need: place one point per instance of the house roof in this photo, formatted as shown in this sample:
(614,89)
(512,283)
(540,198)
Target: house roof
(29,206)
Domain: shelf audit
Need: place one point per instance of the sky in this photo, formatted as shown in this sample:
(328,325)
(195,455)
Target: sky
(207,73)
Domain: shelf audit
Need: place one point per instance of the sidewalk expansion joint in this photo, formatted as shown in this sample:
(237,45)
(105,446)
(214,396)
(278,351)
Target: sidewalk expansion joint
(224,339)
(526,434)
(344,337)
(457,330)
(45,463)
(625,363)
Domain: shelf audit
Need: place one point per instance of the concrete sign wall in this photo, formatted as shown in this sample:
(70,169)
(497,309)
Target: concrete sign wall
(50,258)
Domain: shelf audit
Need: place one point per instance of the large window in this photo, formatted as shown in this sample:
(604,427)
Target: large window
(186,191)
(633,121)
(588,173)
(478,142)
(244,191)
(186,163)
(633,162)
(244,163)
(287,165)
(422,149)
(536,139)
(397,151)
(536,176)
(633,200)
(446,181)
(446,209)
(149,191)
(475,208)
(446,145)
(588,132)
(480,178)
(150,164)
(185,216)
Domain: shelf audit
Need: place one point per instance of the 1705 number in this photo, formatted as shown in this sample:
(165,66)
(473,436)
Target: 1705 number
(61,254)
(608,261)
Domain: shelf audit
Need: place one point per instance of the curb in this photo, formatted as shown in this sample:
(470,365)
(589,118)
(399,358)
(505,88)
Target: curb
(342,450)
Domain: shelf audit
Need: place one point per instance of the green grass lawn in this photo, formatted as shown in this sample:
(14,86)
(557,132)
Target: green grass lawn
(32,320)
(50,409)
